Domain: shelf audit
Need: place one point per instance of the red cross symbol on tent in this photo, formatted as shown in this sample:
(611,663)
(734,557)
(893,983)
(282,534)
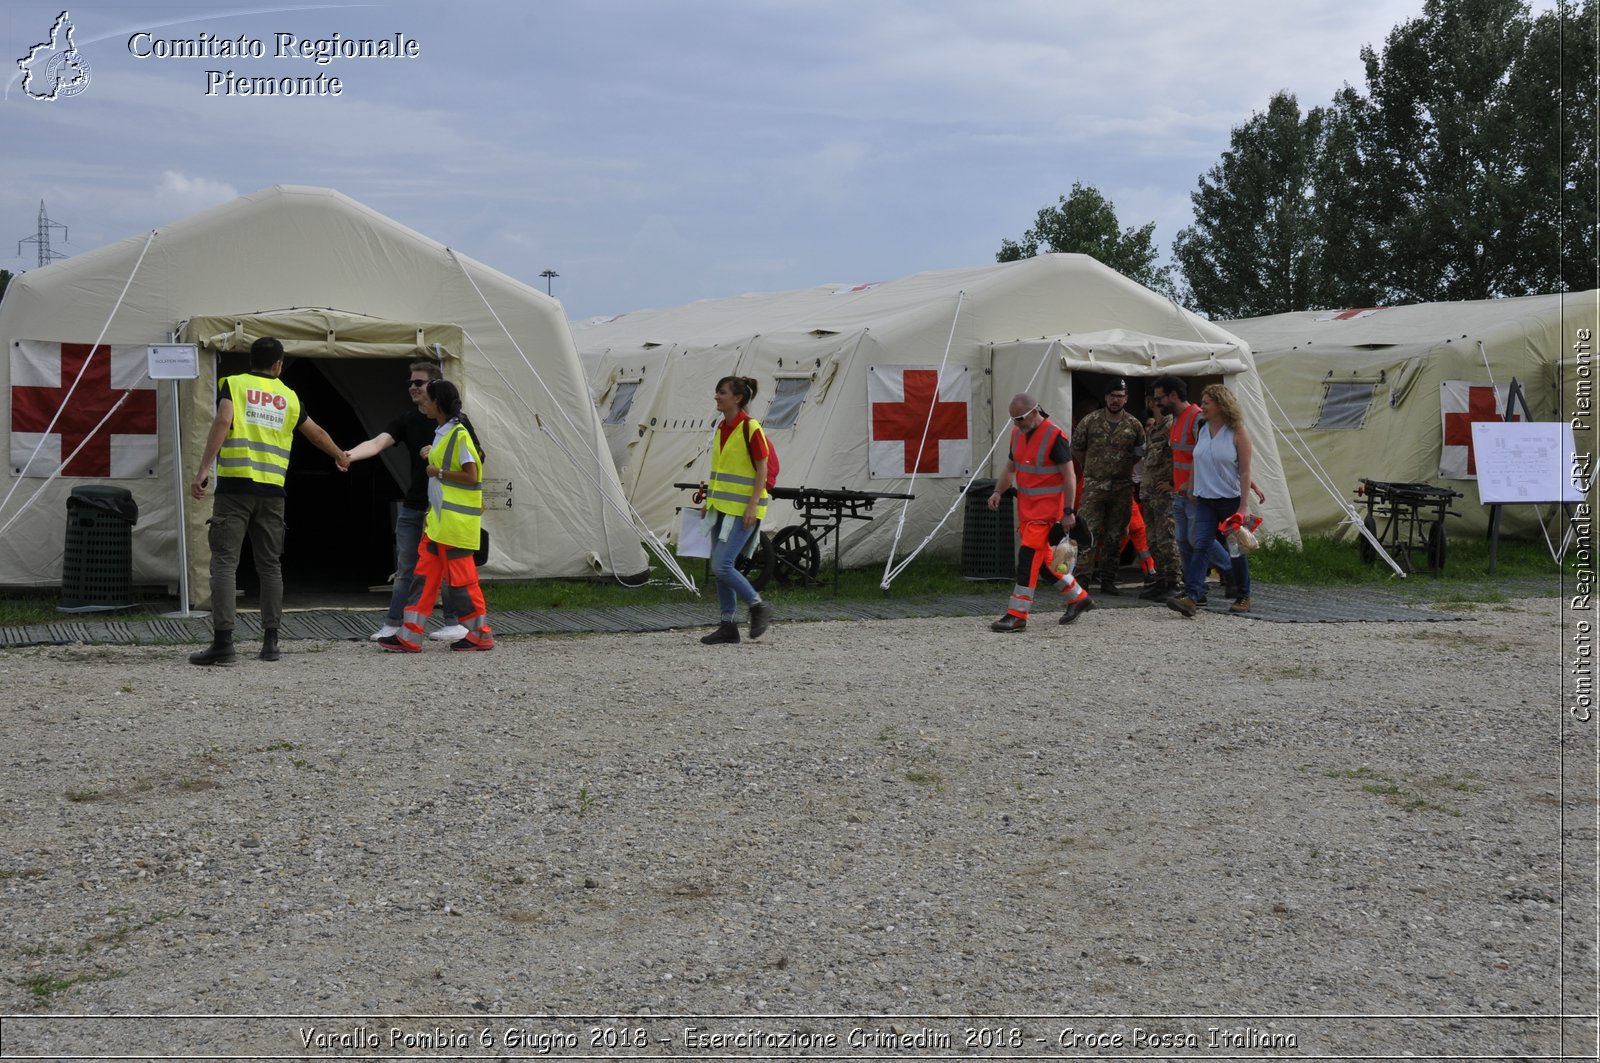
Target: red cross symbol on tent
(1481,406)
(33,407)
(904,421)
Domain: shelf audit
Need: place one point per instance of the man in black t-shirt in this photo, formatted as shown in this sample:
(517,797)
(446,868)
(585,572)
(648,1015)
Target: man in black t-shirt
(412,431)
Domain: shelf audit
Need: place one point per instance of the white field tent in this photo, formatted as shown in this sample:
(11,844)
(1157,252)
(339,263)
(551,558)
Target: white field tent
(1060,326)
(1361,390)
(354,297)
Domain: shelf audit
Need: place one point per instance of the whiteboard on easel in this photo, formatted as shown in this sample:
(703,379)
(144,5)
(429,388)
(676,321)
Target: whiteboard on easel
(1525,462)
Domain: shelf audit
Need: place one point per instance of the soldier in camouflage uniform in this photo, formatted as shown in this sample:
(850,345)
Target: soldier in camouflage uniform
(1155,497)
(1105,446)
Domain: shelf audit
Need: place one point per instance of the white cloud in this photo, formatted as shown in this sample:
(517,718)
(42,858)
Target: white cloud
(656,153)
(188,195)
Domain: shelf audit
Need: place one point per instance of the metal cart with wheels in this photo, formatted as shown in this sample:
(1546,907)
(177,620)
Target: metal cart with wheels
(1411,518)
(794,554)
(797,549)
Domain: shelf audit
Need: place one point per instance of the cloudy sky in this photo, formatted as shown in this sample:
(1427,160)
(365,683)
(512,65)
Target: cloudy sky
(654,153)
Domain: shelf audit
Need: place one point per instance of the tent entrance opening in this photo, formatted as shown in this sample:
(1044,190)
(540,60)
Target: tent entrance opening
(340,526)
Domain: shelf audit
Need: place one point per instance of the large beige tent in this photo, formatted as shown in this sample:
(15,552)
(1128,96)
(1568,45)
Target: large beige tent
(354,296)
(1061,326)
(1360,391)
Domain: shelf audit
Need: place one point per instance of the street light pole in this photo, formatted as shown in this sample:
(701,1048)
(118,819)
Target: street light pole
(549,275)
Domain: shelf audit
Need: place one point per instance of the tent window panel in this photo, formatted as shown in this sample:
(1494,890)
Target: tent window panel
(621,402)
(1345,405)
(786,402)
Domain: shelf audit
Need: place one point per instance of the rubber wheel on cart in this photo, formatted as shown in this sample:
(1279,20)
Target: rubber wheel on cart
(757,568)
(796,556)
(1436,547)
(1364,548)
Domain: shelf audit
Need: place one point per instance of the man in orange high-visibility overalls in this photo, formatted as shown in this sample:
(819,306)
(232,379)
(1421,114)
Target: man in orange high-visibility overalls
(1040,465)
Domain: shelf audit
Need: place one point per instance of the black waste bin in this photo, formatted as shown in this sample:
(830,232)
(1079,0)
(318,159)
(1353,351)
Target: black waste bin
(988,536)
(97,567)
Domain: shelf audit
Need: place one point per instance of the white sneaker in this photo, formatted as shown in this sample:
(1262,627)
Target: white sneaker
(384,632)
(449,634)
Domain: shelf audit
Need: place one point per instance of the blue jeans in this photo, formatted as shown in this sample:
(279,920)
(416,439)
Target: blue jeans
(1217,553)
(1206,514)
(732,587)
(408,525)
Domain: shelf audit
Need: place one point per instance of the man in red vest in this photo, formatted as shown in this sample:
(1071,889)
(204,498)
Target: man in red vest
(1040,465)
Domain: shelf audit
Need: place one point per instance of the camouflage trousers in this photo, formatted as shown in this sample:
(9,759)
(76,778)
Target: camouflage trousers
(1160,529)
(1106,506)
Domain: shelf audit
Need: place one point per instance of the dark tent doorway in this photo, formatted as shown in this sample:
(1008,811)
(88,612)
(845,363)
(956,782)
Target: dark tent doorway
(340,534)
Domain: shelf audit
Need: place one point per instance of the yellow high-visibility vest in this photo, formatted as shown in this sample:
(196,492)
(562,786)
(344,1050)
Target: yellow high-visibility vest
(733,474)
(455,511)
(265,412)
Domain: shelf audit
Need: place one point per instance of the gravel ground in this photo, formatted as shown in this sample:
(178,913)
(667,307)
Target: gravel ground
(1103,839)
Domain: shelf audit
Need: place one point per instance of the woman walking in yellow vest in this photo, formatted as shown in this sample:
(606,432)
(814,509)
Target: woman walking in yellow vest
(736,502)
(452,529)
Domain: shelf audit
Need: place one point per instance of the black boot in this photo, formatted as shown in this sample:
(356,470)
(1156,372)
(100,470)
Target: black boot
(1159,591)
(1076,609)
(219,652)
(727,631)
(760,619)
(269,644)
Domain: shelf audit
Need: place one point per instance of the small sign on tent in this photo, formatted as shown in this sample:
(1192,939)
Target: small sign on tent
(918,422)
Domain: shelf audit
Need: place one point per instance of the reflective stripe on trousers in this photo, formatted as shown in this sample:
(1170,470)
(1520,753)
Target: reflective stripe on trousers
(1033,559)
(437,564)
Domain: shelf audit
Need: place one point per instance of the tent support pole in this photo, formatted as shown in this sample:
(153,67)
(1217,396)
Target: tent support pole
(183,611)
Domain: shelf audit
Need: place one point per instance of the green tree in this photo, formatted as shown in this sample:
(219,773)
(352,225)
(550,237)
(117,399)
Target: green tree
(1348,262)
(1465,171)
(1282,221)
(1553,94)
(1256,245)
(1456,212)
(5,282)
(1085,222)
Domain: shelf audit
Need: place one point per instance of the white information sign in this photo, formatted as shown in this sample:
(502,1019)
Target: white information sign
(173,361)
(1525,462)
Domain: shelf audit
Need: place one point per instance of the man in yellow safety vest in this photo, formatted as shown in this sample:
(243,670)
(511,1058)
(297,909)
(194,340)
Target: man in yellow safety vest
(250,439)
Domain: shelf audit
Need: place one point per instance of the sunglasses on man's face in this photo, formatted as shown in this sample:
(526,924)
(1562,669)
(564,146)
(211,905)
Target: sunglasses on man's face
(1024,417)
(417,384)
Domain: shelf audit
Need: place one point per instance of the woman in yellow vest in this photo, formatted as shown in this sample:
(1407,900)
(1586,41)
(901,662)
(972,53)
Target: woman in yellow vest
(736,502)
(453,527)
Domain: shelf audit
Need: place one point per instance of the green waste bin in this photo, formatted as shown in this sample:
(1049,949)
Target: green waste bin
(988,536)
(97,566)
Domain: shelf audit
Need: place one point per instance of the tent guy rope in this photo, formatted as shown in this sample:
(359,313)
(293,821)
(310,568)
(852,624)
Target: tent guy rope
(927,423)
(1291,435)
(634,521)
(93,352)
(891,570)
(905,507)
